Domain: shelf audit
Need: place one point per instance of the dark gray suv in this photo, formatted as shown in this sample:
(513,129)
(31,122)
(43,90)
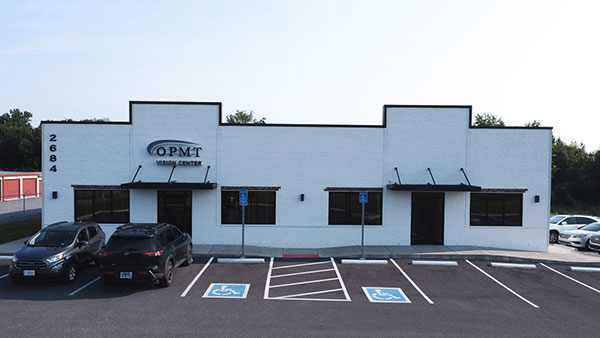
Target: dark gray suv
(58,251)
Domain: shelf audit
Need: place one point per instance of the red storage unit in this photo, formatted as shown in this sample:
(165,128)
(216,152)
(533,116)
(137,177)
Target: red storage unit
(11,189)
(40,189)
(29,185)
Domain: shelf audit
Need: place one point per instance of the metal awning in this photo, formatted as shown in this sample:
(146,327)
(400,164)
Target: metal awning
(169,186)
(433,187)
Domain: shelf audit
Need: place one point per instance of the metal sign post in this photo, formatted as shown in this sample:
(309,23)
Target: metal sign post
(363,199)
(243,203)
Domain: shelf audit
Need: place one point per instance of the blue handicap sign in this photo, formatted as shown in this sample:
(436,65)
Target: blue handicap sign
(363,197)
(243,197)
(385,295)
(226,290)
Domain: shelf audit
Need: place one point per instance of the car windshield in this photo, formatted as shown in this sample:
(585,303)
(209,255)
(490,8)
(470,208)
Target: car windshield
(591,227)
(52,238)
(130,244)
(556,219)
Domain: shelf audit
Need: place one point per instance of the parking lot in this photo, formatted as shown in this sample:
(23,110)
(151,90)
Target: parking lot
(313,297)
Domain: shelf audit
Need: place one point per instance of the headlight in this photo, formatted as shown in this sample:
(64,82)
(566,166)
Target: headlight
(579,236)
(15,259)
(55,258)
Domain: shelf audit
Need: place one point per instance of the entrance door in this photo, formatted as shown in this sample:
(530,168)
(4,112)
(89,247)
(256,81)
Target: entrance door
(175,207)
(427,221)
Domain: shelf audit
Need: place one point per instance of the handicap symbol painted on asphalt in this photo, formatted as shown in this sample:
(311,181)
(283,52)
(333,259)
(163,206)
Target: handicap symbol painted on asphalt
(226,290)
(385,295)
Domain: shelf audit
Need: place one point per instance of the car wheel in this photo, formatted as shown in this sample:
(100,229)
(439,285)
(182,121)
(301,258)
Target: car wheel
(553,236)
(71,272)
(188,256)
(168,277)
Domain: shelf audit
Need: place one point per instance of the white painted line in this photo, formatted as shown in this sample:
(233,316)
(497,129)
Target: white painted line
(502,285)
(268,283)
(301,273)
(583,269)
(337,272)
(3,276)
(306,282)
(413,283)
(189,287)
(435,263)
(513,265)
(313,299)
(573,279)
(297,265)
(5,258)
(364,261)
(241,260)
(308,293)
(84,286)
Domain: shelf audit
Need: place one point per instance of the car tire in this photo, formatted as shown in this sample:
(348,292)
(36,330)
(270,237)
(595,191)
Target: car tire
(188,256)
(71,273)
(553,236)
(168,276)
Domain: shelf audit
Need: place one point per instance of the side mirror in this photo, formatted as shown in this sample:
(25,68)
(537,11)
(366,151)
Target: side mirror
(562,223)
(83,243)
(26,242)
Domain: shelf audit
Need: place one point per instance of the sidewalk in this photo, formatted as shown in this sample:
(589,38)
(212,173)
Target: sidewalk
(556,253)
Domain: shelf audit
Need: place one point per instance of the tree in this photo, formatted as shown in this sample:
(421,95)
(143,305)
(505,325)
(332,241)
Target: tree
(488,120)
(534,124)
(20,143)
(242,117)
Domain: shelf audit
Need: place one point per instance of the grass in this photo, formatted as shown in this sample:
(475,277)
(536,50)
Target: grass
(17,230)
(579,210)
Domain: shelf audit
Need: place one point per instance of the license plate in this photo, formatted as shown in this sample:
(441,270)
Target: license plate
(28,272)
(126,275)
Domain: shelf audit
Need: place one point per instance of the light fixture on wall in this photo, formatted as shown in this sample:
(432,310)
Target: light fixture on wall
(54,195)
(536,198)
(301,197)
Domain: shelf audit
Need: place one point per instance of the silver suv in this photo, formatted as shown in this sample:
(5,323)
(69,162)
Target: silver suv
(560,223)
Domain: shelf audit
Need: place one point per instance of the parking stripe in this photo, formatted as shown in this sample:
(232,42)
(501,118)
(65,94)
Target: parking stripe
(305,282)
(308,293)
(571,278)
(298,265)
(337,272)
(189,287)
(3,276)
(502,285)
(301,273)
(413,283)
(268,283)
(84,286)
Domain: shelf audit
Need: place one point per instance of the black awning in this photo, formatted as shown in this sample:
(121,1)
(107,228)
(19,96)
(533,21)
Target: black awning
(169,186)
(433,187)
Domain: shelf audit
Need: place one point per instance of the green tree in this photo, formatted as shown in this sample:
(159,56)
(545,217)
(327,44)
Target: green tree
(20,143)
(534,124)
(573,174)
(488,120)
(242,117)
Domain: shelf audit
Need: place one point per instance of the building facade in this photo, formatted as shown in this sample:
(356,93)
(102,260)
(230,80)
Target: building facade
(430,176)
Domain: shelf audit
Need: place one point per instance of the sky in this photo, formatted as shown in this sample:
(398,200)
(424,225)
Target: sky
(303,61)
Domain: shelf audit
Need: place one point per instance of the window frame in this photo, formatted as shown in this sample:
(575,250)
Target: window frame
(252,203)
(113,219)
(348,207)
(503,195)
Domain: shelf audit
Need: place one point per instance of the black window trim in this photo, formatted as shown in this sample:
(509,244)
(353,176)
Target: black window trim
(350,190)
(100,188)
(497,192)
(250,189)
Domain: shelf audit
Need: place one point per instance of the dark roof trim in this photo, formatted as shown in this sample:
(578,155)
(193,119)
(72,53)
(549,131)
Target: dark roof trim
(353,189)
(433,187)
(513,127)
(97,187)
(169,186)
(249,188)
(488,190)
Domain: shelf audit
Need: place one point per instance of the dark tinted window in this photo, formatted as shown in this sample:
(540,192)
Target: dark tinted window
(170,237)
(130,244)
(496,209)
(260,208)
(52,238)
(345,208)
(176,232)
(83,235)
(584,220)
(92,232)
(572,220)
(162,238)
(103,206)
(591,227)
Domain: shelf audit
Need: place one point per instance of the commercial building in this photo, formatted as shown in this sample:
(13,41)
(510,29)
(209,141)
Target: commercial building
(431,177)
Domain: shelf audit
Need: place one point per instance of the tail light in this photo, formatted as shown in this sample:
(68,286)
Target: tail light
(105,253)
(153,253)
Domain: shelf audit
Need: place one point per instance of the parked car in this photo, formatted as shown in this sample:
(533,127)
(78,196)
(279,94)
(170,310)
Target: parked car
(145,252)
(595,243)
(579,238)
(58,251)
(560,223)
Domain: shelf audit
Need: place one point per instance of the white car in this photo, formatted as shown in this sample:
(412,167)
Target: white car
(579,238)
(560,223)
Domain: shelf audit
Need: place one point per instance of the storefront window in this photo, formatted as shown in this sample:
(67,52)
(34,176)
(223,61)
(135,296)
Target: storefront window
(102,206)
(496,209)
(260,208)
(345,208)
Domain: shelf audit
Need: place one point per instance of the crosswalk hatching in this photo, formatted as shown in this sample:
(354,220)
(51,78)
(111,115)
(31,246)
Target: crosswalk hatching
(314,281)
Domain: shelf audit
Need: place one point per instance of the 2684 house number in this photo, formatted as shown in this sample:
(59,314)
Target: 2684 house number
(52,149)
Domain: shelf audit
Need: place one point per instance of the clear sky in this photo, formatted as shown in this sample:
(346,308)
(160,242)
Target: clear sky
(307,61)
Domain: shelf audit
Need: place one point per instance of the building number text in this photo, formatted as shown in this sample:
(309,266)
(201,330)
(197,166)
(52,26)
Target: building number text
(53,149)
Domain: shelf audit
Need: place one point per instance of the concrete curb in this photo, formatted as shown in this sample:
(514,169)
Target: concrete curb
(241,260)
(365,261)
(513,266)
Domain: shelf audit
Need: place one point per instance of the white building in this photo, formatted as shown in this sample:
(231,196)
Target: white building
(432,178)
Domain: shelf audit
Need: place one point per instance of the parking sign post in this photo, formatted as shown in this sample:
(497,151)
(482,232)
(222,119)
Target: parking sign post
(243,203)
(363,199)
